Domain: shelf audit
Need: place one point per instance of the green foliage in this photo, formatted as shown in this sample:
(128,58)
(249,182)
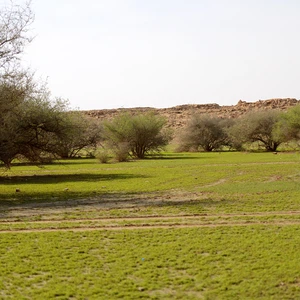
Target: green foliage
(258,127)
(103,156)
(31,124)
(207,133)
(78,132)
(36,127)
(31,127)
(136,135)
(288,128)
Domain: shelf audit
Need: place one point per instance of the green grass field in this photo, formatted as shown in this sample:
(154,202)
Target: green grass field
(178,226)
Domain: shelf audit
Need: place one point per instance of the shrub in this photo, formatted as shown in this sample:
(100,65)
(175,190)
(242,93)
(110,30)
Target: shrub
(203,132)
(103,156)
(136,136)
(258,126)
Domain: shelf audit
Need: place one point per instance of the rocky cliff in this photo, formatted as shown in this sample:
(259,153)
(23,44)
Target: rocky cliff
(178,116)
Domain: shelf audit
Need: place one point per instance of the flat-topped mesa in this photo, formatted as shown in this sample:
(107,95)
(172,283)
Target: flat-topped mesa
(178,116)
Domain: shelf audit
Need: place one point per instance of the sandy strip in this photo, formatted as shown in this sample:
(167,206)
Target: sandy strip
(154,226)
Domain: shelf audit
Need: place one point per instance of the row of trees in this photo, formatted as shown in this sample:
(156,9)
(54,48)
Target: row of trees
(269,129)
(37,127)
(138,135)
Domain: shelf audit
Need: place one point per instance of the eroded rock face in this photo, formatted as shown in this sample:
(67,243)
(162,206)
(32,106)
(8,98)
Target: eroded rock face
(178,116)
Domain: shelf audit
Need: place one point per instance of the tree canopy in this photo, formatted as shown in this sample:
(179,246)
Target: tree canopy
(203,132)
(33,125)
(137,135)
(258,126)
(288,127)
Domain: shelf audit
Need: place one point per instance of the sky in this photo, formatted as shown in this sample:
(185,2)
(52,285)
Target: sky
(104,54)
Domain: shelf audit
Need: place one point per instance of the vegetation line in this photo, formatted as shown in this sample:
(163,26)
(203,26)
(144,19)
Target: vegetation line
(153,217)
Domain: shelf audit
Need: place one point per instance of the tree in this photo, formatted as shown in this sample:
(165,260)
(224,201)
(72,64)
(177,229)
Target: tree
(40,123)
(203,132)
(31,127)
(29,120)
(136,135)
(259,127)
(15,21)
(78,132)
(39,128)
(15,85)
(13,92)
(288,127)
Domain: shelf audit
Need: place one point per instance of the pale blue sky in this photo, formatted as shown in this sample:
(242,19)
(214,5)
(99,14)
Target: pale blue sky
(161,53)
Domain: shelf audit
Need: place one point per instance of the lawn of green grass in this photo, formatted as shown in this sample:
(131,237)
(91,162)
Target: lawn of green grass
(255,262)
(222,181)
(180,226)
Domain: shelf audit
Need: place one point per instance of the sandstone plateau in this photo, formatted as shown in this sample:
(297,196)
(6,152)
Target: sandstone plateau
(178,116)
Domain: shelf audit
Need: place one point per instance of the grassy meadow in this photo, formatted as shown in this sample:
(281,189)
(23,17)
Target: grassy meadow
(177,226)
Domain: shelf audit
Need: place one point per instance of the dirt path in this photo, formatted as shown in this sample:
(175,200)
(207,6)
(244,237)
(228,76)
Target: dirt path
(172,222)
(154,226)
(159,217)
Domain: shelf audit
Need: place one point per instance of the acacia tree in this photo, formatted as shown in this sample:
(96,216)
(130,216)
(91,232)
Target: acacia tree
(15,84)
(203,132)
(31,127)
(78,132)
(14,90)
(288,127)
(39,128)
(41,121)
(28,118)
(136,135)
(259,127)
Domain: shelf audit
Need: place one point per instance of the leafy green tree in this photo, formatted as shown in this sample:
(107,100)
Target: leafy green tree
(78,132)
(31,124)
(15,85)
(258,127)
(30,129)
(136,135)
(38,128)
(13,92)
(203,132)
(288,127)
(40,123)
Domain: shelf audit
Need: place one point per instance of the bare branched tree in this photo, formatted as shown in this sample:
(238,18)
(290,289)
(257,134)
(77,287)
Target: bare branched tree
(15,21)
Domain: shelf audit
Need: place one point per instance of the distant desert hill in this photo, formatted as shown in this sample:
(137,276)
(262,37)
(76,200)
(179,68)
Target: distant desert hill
(178,116)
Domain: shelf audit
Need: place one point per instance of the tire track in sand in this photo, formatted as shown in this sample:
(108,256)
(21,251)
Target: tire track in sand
(171,225)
